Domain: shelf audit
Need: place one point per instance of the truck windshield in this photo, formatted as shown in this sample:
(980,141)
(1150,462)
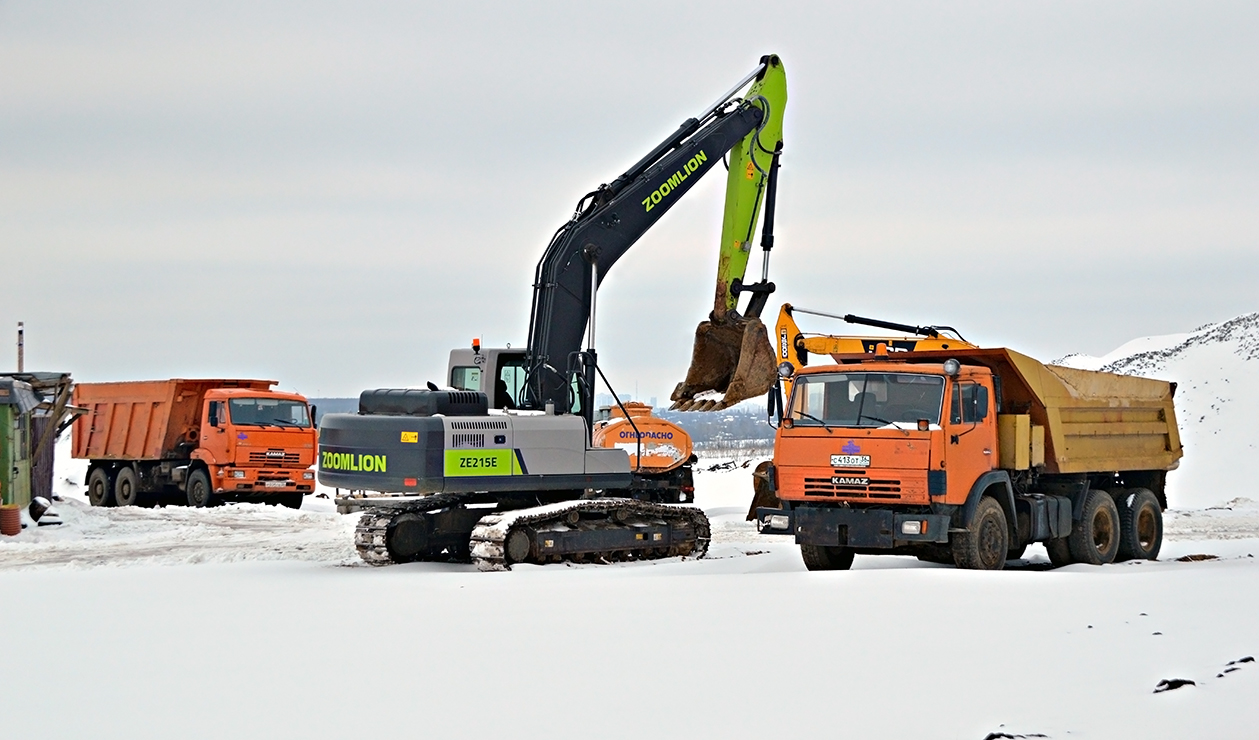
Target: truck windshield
(269,412)
(866,399)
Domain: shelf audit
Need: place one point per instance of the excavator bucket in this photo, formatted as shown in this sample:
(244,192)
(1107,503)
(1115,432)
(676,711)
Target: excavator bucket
(732,361)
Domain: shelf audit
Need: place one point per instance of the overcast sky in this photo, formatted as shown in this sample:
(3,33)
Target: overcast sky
(335,194)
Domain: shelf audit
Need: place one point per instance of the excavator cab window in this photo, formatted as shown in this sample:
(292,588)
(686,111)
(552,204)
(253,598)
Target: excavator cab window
(509,384)
(466,378)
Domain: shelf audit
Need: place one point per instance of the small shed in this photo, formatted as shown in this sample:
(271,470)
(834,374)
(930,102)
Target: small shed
(17,402)
(34,410)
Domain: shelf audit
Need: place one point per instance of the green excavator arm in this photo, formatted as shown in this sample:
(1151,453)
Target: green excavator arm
(732,359)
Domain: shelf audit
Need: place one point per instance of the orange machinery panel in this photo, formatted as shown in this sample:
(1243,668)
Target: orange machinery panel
(143,420)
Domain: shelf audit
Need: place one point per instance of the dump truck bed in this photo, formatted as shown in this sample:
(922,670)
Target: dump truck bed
(144,420)
(1093,421)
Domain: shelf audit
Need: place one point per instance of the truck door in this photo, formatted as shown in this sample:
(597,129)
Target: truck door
(214,438)
(970,436)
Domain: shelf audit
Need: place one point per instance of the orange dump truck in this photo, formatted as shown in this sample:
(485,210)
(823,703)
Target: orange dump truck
(196,440)
(967,456)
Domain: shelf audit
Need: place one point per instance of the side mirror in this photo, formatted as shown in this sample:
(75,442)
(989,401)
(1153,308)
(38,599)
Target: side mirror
(314,414)
(774,406)
(214,415)
(981,403)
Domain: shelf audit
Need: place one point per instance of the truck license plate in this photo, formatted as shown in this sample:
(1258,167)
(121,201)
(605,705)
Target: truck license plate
(274,483)
(850,461)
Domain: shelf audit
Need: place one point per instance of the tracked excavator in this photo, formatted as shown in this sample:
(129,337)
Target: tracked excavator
(507,465)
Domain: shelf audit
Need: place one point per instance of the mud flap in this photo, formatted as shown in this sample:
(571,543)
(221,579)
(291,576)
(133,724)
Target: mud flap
(765,492)
(732,361)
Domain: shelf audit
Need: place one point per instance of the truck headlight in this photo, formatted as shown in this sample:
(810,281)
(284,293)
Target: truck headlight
(308,475)
(914,527)
(777,521)
(238,474)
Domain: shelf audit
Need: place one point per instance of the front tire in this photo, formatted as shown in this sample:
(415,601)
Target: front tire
(1140,525)
(985,544)
(1095,538)
(100,488)
(200,494)
(821,557)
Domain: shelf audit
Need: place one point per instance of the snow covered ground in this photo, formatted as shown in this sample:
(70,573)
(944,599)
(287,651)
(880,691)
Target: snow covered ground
(248,621)
(279,632)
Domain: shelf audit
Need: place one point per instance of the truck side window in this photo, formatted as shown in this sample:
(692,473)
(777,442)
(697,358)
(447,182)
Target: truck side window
(970,403)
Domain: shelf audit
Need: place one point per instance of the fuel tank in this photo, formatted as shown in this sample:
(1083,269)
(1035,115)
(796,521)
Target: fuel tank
(665,445)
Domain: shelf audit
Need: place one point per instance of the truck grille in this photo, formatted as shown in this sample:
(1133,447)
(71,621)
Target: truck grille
(852,484)
(467,440)
(274,457)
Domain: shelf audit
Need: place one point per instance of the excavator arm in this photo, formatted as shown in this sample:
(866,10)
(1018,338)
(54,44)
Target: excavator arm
(609,220)
(732,359)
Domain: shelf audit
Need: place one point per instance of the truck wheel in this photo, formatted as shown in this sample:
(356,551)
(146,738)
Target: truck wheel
(100,489)
(821,557)
(200,494)
(1059,552)
(126,487)
(288,500)
(985,544)
(1140,525)
(1095,538)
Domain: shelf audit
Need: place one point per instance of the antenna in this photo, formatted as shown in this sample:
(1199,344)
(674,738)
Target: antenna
(21,346)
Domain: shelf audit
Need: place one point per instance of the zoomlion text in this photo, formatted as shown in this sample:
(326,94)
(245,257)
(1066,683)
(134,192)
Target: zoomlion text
(676,179)
(350,461)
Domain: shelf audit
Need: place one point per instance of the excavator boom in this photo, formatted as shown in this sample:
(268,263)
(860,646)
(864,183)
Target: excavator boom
(732,359)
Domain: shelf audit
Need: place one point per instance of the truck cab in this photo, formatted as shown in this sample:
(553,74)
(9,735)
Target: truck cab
(880,432)
(257,442)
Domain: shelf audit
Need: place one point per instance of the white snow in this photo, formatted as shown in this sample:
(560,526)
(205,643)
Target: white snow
(248,621)
(1216,368)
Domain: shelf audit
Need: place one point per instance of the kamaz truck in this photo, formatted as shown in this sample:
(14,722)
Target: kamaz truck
(966,456)
(199,441)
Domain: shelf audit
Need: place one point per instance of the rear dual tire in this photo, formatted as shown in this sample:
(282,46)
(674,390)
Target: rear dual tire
(1140,524)
(126,487)
(1095,538)
(100,488)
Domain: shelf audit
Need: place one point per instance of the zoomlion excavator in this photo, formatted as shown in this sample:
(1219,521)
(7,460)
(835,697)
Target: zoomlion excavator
(507,465)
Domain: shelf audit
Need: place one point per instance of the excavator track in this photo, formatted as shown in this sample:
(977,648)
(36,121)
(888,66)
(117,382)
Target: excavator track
(371,535)
(590,530)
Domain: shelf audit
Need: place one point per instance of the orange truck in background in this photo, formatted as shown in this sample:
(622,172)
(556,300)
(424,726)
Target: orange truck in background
(201,441)
(966,456)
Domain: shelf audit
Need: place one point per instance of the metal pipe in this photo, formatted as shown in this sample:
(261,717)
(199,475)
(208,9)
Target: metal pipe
(594,289)
(21,346)
(722,100)
(925,331)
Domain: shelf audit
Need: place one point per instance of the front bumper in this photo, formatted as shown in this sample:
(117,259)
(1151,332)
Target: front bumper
(264,480)
(860,528)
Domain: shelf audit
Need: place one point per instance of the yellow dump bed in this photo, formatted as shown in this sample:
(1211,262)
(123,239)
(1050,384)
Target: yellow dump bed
(1090,421)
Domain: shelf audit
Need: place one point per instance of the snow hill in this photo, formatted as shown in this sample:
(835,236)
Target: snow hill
(1217,403)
